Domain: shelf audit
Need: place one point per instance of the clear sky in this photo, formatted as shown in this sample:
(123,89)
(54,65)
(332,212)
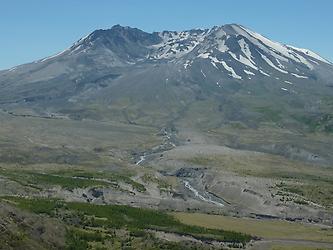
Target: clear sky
(33,29)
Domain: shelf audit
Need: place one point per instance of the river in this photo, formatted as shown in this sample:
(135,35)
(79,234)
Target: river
(201,197)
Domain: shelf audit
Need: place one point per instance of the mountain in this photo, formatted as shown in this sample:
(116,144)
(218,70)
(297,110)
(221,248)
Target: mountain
(212,78)
(221,121)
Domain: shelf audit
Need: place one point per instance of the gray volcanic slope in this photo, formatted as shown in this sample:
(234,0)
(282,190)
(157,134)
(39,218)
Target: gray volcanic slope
(213,78)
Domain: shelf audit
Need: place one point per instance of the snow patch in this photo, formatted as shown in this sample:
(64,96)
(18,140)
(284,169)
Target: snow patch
(213,59)
(270,63)
(299,76)
(243,60)
(221,46)
(12,69)
(50,57)
(278,50)
(248,72)
(187,64)
(204,55)
(279,64)
(203,73)
(246,50)
(177,44)
(231,70)
(311,54)
(264,73)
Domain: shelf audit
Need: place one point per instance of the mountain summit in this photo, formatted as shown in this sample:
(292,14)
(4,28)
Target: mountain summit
(231,42)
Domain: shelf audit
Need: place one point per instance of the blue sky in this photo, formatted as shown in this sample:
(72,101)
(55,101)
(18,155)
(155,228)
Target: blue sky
(35,29)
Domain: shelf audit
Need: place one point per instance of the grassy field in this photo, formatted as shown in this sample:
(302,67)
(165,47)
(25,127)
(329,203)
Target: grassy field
(295,247)
(69,179)
(110,176)
(268,229)
(28,178)
(96,224)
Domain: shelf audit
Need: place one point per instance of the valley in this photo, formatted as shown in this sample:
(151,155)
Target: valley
(185,171)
